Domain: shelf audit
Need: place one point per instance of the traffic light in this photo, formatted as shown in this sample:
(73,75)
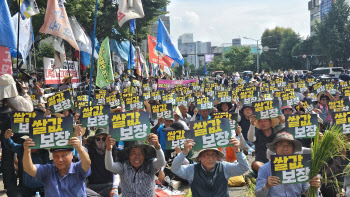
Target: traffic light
(311,56)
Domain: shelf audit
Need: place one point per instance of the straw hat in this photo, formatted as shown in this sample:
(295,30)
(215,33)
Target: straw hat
(284,136)
(7,87)
(66,78)
(195,156)
(274,122)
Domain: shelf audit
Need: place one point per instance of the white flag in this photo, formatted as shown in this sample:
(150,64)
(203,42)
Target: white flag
(60,54)
(25,35)
(129,9)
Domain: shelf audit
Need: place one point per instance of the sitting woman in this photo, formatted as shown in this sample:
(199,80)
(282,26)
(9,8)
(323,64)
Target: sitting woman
(136,166)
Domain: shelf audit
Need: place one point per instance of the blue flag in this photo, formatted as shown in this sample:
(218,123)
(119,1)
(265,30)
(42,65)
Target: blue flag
(132,26)
(205,71)
(95,42)
(131,63)
(7,31)
(85,58)
(166,46)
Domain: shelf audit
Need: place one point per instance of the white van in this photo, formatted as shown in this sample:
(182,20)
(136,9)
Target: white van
(331,71)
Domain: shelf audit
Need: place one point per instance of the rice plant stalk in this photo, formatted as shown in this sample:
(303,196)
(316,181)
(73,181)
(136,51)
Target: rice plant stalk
(332,144)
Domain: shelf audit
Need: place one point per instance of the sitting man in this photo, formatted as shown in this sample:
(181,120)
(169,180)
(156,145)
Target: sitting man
(209,177)
(268,185)
(63,178)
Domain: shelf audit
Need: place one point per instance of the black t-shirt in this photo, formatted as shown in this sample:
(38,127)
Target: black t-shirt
(245,124)
(260,145)
(99,173)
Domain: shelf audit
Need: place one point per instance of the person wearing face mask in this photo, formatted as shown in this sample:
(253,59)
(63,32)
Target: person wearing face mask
(101,182)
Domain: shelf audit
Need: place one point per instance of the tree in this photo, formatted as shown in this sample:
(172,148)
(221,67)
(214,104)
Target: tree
(285,51)
(273,38)
(44,50)
(309,46)
(334,34)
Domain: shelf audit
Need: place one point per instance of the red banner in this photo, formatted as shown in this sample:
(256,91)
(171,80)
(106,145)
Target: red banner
(55,76)
(5,61)
(155,56)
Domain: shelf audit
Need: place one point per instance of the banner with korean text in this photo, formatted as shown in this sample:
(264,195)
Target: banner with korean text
(302,126)
(61,101)
(291,169)
(55,76)
(95,116)
(5,61)
(169,84)
(20,121)
(211,134)
(50,132)
(129,126)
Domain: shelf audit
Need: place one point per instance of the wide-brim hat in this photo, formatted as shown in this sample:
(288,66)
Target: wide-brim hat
(220,105)
(7,87)
(284,136)
(123,155)
(274,122)
(101,132)
(196,155)
(67,77)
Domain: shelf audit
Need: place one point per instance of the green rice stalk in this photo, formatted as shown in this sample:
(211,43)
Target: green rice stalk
(332,144)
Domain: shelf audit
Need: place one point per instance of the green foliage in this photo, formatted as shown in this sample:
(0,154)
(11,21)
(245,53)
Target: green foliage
(284,39)
(45,50)
(334,32)
(237,59)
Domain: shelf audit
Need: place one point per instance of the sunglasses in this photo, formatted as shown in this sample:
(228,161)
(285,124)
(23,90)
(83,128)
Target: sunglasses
(98,139)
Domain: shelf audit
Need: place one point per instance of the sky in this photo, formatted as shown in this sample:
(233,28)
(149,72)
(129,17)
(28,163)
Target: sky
(219,21)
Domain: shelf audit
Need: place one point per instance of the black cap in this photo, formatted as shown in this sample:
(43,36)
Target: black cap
(174,127)
(60,149)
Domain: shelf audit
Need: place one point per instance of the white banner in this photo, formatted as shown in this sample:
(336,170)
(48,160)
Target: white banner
(55,76)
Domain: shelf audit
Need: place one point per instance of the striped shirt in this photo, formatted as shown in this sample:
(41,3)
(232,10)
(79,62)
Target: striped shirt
(136,183)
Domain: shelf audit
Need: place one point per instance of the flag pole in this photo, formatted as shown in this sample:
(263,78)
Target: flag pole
(93,50)
(19,20)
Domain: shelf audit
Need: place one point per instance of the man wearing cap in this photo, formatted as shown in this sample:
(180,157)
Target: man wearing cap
(209,177)
(63,178)
(268,185)
(287,110)
(203,115)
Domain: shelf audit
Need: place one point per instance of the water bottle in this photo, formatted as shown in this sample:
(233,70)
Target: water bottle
(116,193)
(37,194)
(250,152)
(120,145)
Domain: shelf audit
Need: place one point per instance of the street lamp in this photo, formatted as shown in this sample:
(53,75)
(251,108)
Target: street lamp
(257,50)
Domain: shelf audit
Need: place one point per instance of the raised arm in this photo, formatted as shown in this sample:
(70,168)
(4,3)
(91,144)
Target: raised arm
(84,156)
(251,131)
(159,162)
(235,169)
(28,165)
(115,167)
(184,171)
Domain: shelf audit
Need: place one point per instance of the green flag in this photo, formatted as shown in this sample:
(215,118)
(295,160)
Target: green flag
(104,65)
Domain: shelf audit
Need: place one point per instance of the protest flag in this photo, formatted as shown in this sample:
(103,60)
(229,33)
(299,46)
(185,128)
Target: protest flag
(84,41)
(24,4)
(131,62)
(205,71)
(104,65)
(56,23)
(129,9)
(28,8)
(60,54)
(7,30)
(132,26)
(166,46)
(25,36)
